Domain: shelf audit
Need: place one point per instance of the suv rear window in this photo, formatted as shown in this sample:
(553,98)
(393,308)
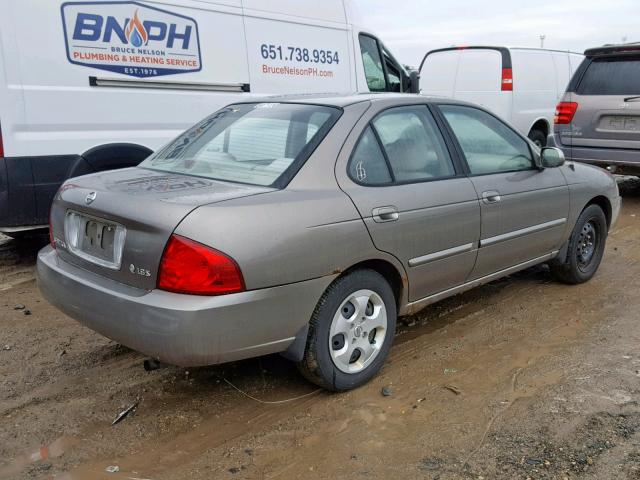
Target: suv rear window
(611,76)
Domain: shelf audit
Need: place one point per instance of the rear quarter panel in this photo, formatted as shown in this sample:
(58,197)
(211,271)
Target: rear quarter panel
(307,230)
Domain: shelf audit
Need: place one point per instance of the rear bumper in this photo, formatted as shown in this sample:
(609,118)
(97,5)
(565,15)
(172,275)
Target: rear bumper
(184,330)
(622,159)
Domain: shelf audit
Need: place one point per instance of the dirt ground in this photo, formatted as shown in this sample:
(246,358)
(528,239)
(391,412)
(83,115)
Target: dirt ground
(522,378)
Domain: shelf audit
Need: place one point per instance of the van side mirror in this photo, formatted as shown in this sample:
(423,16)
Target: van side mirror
(414,81)
(551,157)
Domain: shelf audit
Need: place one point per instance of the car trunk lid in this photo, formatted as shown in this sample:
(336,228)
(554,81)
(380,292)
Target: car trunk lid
(118,223)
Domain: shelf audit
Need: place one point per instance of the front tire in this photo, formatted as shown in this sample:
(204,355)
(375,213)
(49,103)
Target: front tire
(585,249)
(351,331)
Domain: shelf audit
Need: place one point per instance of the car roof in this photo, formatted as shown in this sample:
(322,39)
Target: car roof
(344,100)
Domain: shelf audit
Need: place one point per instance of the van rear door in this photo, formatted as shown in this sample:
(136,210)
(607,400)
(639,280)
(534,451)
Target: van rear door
(608,98)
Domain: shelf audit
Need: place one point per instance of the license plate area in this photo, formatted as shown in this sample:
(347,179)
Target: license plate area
(620,123)
(94,239)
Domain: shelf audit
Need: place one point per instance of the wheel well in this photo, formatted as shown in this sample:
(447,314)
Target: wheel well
(541,125)
(388,271)
(604,204)
(116,155)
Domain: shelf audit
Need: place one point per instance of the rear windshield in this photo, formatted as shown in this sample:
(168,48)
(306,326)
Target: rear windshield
(611,76)
(259,143)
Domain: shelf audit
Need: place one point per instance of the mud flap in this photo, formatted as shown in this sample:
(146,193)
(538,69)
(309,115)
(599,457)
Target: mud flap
(295,352)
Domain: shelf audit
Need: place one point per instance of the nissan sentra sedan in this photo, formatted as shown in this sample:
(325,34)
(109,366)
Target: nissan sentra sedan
(306,226)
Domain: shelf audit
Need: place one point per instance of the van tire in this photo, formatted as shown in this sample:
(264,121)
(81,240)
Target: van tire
(319,365)
(538,137)
(590,229)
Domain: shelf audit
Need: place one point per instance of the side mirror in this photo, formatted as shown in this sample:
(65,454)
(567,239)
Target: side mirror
(551,157)
(414,81)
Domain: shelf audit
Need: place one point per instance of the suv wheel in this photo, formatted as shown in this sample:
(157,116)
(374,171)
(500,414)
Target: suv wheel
(350,332)
(586,248)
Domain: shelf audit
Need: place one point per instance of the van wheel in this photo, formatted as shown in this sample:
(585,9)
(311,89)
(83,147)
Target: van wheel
(586,248)
(350,332)
(538,137)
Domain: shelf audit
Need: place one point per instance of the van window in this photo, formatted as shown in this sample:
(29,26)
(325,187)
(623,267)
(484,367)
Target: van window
(372,62)
(258,143)
(614,76)
(489,145)
(394,77)
(413,144)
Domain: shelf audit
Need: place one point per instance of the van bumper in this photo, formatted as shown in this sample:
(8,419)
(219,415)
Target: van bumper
(185,330)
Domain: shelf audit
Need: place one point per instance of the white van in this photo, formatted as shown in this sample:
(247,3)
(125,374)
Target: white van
(93,85)
(521,85)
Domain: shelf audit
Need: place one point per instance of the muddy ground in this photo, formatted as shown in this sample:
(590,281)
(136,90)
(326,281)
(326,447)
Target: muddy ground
(522,378)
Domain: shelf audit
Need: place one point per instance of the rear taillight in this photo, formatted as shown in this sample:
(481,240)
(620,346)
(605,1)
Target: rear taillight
(192,268)
(565,112)
(1,144)
(507,80)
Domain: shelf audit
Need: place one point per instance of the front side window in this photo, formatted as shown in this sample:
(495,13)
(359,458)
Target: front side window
(489,145)
(258,143)
(413,144)
(372,62)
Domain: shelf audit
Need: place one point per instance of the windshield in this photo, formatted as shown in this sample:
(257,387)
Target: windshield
(259,143)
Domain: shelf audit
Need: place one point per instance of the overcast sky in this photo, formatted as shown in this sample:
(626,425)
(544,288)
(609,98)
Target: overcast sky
(410,28)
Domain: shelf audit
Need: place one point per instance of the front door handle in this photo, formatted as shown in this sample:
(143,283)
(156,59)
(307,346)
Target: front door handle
(491,196)
(385,214)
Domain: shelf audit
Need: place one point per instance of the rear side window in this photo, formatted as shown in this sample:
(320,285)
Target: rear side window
(611,77)
(402,145)
(413,145)
(368,165)
(489,145)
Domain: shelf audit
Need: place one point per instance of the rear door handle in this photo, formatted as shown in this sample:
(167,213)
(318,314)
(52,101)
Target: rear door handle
(491,196)
(385,214)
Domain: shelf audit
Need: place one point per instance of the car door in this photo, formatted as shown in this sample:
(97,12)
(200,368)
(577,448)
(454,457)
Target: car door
(524,208)
(415,202)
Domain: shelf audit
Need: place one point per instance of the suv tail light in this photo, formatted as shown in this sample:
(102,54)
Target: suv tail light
(1,144)
(565,112)
(507,80)
(192,268)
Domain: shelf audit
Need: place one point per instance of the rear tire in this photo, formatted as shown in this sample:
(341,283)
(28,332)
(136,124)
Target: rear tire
(351,331)
(538,137)
(585,249)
